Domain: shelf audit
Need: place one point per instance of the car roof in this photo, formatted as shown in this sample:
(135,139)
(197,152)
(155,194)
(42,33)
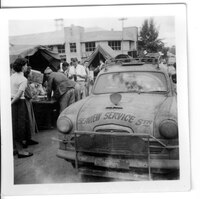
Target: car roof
(124,67)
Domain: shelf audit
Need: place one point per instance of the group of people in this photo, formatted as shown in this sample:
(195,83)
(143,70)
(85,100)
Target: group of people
(23,120)
(70,84)
(77,73)
(81,74)
(67,86)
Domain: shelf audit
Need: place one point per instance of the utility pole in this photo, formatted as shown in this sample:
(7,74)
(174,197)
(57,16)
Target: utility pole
(59,23)
(122,19)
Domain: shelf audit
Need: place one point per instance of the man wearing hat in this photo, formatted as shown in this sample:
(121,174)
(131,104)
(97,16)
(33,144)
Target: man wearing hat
(77,73)
(62,87)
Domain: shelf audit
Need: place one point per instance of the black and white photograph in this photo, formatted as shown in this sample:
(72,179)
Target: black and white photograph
(95,100)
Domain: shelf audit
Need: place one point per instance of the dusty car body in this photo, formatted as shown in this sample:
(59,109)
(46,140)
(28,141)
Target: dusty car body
(127,128)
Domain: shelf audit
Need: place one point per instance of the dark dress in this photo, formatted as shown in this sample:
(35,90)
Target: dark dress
(31,116)
(20,121)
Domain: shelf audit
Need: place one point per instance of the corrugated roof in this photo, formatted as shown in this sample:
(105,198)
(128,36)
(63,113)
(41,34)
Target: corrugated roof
(47,38)
(57,37)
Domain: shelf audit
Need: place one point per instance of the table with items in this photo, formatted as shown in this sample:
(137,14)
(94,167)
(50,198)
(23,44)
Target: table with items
(46,111)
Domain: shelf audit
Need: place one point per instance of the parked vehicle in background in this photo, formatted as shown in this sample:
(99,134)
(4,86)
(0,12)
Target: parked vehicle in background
(171,61)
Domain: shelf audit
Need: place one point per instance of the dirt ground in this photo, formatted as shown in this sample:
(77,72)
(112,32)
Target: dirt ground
(44,166)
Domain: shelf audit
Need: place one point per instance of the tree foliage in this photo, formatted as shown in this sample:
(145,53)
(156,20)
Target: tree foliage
(148,38)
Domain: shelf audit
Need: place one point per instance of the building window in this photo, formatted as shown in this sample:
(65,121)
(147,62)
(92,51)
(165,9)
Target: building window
(72,47)
(115,45)
(89,46)
(61,48)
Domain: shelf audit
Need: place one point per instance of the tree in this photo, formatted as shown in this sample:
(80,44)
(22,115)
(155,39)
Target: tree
(148,39)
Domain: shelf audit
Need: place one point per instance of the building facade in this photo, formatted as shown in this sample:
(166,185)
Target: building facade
(74,41)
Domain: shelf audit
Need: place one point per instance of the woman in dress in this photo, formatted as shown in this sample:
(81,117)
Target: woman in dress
(20,122)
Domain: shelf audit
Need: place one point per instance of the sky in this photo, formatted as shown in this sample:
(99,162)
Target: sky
(165,25)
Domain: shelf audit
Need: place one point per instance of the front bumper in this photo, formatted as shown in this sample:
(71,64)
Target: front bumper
(116,168)
(113,163)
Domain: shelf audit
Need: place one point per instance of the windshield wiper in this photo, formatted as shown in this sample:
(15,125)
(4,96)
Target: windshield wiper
(141,91)
(135,91)
(156,91)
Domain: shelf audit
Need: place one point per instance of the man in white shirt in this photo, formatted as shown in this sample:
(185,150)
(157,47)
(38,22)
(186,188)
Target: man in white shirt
(77,73)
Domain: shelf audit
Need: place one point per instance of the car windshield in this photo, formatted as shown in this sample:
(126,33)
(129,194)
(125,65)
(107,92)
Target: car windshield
(131,82)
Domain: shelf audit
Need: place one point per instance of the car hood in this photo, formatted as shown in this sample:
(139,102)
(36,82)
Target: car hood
(134,113)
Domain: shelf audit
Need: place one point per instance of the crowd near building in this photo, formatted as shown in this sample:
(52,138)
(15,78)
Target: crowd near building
(58,68)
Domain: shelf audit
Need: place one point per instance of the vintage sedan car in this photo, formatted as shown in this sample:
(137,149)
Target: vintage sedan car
(127,128)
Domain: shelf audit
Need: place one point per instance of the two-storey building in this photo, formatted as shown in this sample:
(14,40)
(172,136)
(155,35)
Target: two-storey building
(75,41)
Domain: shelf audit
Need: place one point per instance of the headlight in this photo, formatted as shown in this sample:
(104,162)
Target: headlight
(168,129)
(64,124)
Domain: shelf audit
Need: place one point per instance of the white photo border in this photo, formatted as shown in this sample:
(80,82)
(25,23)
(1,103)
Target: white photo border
(176,10)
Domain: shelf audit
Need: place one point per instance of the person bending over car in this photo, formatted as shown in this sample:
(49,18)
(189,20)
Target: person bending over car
(62,87)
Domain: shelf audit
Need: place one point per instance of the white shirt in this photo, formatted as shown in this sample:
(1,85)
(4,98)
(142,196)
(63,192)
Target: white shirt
(18,82)
(79,70)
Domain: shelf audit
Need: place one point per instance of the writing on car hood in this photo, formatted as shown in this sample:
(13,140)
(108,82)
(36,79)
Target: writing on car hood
(132,110)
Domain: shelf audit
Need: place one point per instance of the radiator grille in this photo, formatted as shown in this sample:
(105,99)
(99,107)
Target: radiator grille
(108,144)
